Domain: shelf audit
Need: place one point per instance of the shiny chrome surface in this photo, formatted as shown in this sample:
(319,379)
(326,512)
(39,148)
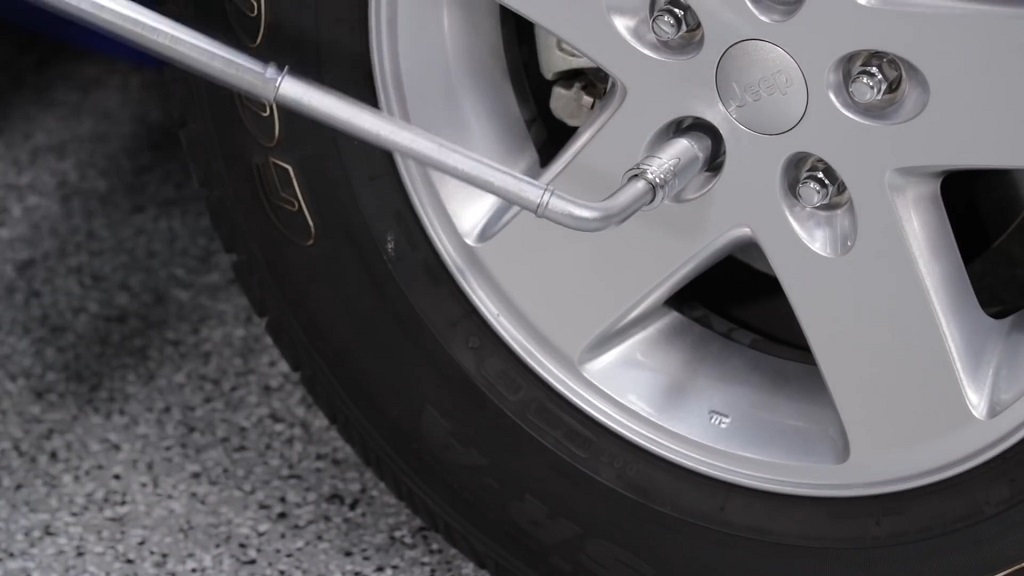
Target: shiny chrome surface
(877,76)
(878,88)
(667,24)
(819,205)
(633,21)
(674,165)
(814,191)
(819,186)
(673,19)
(867,86)
(914,383)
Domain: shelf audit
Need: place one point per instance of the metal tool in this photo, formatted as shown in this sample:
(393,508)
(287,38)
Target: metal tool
(669,169)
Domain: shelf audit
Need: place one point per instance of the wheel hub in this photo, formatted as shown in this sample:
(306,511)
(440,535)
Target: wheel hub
(762,87)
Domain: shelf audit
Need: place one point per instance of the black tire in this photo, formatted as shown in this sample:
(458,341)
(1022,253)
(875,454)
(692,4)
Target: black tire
(479,446)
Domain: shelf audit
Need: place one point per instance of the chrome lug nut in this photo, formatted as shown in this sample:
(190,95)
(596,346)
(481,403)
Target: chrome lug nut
(817,188)
(878,76)
(814,192)
(814,183)
(867,86)
(673,20)
(667,24)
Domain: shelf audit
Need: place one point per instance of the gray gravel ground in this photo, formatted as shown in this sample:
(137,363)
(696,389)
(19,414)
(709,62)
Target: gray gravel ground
(147,425)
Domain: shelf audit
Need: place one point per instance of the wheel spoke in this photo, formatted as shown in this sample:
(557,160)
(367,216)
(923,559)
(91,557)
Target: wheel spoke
(575,286)
(882,350)
(983,348)
(973,117)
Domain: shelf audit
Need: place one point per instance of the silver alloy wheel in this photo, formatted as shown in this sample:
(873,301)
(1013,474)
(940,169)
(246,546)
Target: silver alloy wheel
(919,384)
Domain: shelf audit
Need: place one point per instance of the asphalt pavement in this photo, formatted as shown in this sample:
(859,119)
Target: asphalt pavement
(147,424)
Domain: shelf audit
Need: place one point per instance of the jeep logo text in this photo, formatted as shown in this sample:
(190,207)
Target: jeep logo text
(778,83)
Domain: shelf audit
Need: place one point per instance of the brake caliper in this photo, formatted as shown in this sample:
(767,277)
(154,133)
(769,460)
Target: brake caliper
(578,84)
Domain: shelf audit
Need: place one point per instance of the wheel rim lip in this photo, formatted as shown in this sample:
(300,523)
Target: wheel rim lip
(564,376)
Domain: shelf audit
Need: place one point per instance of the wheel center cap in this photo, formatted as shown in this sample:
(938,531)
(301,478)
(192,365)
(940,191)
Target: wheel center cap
(762,87)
